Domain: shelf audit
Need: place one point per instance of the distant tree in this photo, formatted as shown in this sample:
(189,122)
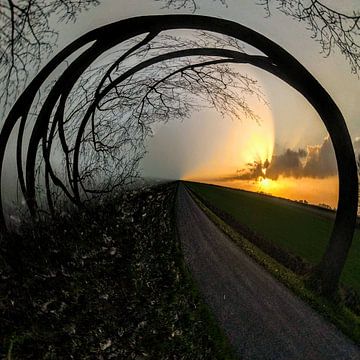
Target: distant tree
(325,206)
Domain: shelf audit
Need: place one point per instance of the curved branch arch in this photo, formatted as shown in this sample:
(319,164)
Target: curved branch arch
(276,61)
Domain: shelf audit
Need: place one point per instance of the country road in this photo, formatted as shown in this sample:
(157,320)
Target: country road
(261,317)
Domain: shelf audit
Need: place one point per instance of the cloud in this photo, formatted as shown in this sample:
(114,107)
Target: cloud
(288,164)
(357,145)
(317,161)
(254,171)
(320,162)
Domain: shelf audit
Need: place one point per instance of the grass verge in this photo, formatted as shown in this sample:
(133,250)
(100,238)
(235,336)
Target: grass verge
(297,229)
(337,313)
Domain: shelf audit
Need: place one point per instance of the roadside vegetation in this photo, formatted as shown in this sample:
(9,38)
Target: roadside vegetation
(297,229)
(225,206)
(105,283)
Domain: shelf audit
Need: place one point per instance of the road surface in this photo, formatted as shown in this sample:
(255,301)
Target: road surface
(261,317)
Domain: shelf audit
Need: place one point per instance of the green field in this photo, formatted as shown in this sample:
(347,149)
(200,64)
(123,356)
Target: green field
(300,229)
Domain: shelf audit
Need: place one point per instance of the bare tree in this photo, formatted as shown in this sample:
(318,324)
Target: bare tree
(83,139)
(113,108)
(27,36)
(192,5)
(330,27)
(186,4)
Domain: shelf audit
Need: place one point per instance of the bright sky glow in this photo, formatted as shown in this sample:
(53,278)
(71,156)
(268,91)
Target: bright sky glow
(207,147)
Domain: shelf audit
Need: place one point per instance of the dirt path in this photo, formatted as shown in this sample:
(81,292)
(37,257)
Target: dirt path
(261,317)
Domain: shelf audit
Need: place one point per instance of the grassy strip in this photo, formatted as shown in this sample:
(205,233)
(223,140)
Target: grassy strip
(275,220)
(233,207)
(338,314)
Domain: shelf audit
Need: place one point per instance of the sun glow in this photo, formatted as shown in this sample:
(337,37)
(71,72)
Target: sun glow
(267,186)
(259,145)
(264,183)
(247,145)
(234,145)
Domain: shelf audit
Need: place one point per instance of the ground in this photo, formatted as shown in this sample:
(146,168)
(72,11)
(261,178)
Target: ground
(107,283)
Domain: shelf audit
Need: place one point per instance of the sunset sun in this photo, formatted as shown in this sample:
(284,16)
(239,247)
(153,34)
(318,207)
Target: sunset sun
(265,184)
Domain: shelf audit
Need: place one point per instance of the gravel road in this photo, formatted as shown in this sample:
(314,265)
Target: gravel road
(261,317)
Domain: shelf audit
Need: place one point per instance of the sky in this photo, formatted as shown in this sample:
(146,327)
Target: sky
(291,137)
(288,153)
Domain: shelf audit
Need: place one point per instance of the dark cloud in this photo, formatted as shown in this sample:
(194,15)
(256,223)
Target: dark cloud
(289,164)
(316,161)
(320,162)
(253,171)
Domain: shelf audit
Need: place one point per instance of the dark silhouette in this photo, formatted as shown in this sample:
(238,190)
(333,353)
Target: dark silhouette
(27,36)
(275,60)
(331,28)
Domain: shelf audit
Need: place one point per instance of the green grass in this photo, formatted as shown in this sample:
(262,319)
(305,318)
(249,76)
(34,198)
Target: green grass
(337,313)
(293,227)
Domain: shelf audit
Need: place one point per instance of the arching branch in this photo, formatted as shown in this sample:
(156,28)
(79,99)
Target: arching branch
(27,36)
(330,27)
